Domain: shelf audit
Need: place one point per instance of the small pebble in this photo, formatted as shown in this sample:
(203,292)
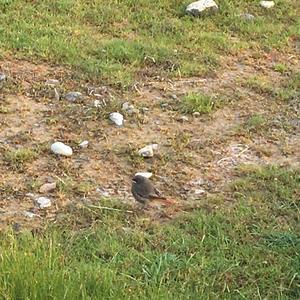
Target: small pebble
(103,192)
(47,187)
(196,114)
(146,151)
(43,202)
(183,119)
(267,4)
(199,191)
(144,110)
(29,214)
(164,105)
(97,103)
(52,82)
(247,17)
(117,118)
(73,96)
(61,149)
(2,76)
(84,144)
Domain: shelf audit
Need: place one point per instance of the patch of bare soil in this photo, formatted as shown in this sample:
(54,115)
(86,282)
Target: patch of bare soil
(195,160)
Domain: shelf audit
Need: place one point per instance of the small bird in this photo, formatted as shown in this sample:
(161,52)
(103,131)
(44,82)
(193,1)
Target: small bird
(143,190)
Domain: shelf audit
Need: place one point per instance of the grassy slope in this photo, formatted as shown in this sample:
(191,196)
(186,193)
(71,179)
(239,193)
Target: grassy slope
(119,41)
(246,251)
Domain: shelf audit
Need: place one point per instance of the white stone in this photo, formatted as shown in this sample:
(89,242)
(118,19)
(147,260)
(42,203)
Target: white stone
(84,144)
(146,151)
(198,7)
(97,103)
(61,149)
(199,191)
(183,119)
(103,192)
(247,17)
(2,76)
(29,214)
(47,187)
(267,4)
(117,118)
(144,174)
(52,82)
(43,202)
(73,96)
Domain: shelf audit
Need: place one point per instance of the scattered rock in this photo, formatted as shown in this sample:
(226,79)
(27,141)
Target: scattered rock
(196,114)
(247,17)
(197,182)
(29,214)
(47,187)
(30,195)
(267,4)
(52,82)
(43,202)
(174,97)
(117,118)
(147,151)
(144,110)
(84,144)
(144,174)
(73,96)
(61,149)
(198,8)
(103,192)
(183,119)
(164,105)
(129,108)
(2,77)
(97,103)
(199,191)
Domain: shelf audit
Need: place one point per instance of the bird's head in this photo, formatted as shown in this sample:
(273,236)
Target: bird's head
(138,179)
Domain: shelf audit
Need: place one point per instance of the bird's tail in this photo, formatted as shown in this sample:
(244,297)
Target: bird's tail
(164,201)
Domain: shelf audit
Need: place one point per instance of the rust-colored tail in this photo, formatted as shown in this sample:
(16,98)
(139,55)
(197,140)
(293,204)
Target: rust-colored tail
(163,201)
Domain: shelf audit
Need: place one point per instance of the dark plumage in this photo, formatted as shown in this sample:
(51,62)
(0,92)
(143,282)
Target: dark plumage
(143,190)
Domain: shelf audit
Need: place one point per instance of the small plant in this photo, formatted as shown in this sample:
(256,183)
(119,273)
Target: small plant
(281,68)
(197,102)
(84,187)
(19,157)
(255,123)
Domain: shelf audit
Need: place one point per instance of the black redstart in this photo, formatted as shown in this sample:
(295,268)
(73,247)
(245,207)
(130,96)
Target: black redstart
(143,190)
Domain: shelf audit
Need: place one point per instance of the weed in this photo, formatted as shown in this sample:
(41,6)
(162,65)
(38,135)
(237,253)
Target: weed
(197,102)
(17,158)
(255,123)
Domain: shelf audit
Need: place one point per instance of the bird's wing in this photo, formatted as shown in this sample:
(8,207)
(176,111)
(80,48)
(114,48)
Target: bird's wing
(156,195)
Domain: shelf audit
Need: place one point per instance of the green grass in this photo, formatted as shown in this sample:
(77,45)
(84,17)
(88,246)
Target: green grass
(255,123)
(249,250)
(117,41)
(197,102)
(18,157)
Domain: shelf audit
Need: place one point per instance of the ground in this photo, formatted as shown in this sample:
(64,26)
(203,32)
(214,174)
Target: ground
(231,165)
(245,126)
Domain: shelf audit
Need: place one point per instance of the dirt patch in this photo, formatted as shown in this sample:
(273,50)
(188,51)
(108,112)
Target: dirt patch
(196,158)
